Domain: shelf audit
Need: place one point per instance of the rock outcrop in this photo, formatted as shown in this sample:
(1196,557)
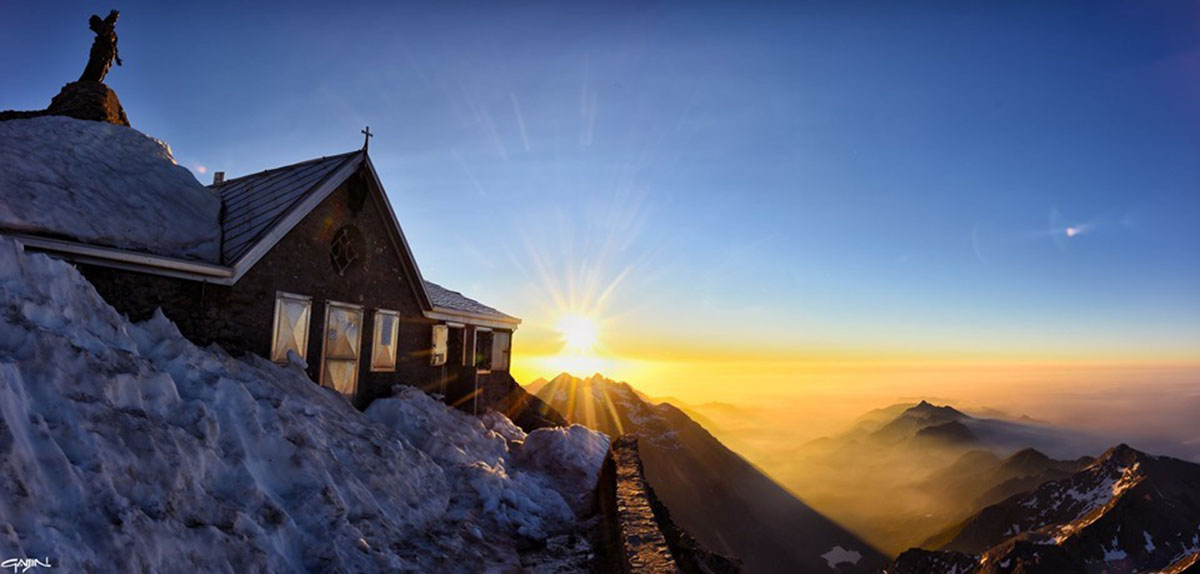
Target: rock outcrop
(82,100)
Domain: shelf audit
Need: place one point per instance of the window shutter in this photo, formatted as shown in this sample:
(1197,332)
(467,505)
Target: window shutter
(383,354)
(501,349)
(290,333)
(441,334)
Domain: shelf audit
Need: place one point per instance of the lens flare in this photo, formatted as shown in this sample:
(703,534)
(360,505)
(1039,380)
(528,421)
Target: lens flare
(578,334)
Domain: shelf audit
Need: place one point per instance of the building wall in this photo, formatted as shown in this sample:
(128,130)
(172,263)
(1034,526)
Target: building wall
(240,318)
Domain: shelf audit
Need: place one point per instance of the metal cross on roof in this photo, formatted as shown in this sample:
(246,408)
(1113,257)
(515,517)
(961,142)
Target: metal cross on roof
(367,135)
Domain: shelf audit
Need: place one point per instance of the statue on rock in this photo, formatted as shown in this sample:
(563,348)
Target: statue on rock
(104,47)
(89,98)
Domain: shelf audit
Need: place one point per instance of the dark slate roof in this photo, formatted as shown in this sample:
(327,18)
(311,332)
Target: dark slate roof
(255,203)
(445,298)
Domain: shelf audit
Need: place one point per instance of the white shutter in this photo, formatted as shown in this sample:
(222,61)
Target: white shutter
(441,334)
(340,350)
(383,352)
(292,314)
(501,349)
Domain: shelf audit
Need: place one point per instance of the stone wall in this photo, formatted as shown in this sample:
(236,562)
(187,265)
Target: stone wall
(638,535)
(632,541)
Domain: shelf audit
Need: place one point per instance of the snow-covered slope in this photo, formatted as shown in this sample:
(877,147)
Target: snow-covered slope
(104,184)
(126,448)
(1126,512)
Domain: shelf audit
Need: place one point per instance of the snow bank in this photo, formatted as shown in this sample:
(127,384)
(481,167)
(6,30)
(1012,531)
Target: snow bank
(530,485)
(106,184)
(126,448)
(571,457)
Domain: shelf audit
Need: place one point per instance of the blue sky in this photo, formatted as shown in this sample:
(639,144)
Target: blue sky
(785,178)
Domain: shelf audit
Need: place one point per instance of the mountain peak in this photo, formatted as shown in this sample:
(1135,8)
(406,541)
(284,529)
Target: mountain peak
(1027,456)
(925,409)
(1122,454)
(593,378)
(1126,508)
(953,432)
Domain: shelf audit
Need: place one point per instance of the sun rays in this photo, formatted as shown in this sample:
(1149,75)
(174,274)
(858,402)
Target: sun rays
(578,333)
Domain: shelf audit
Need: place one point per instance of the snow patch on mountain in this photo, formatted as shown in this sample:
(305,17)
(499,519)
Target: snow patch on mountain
(838,555)
(1086,522)
(124,447)
(1088,500)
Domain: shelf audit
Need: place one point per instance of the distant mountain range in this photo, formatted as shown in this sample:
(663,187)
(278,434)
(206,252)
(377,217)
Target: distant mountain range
(1128,511)
(725,502)
(901,476)
(948,492)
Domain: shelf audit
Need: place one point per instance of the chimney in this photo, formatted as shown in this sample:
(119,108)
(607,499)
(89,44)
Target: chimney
(218,177)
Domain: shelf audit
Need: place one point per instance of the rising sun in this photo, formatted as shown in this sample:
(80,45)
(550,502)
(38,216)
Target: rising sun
(578,334)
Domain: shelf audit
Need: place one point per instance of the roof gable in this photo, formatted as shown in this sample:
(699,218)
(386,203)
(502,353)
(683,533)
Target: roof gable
(262,208)
(256,203)
(266,206)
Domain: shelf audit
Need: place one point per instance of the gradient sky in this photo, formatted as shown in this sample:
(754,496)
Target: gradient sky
(889,181)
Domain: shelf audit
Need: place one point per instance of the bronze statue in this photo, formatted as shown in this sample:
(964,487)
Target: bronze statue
(104,48)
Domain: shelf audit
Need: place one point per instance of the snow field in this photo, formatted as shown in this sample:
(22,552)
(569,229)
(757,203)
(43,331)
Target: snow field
(124,447)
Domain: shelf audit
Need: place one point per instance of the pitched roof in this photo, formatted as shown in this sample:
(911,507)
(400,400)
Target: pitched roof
(255,211)
(455,301)
(255,203)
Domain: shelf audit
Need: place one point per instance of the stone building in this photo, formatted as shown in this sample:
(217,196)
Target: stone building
(304,263)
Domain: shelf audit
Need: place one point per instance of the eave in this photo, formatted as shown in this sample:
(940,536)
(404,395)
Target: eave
(127,260)
(457,316)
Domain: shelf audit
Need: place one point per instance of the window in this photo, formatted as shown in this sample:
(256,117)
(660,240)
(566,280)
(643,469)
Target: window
(290,330)
(441,340)
(501,350)
(343,333)
(346,248)
(387,329)
(456,345)
(483,349)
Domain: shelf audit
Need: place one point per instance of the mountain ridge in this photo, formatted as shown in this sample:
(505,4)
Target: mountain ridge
(1127,511)
(903,475)
(727,503)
